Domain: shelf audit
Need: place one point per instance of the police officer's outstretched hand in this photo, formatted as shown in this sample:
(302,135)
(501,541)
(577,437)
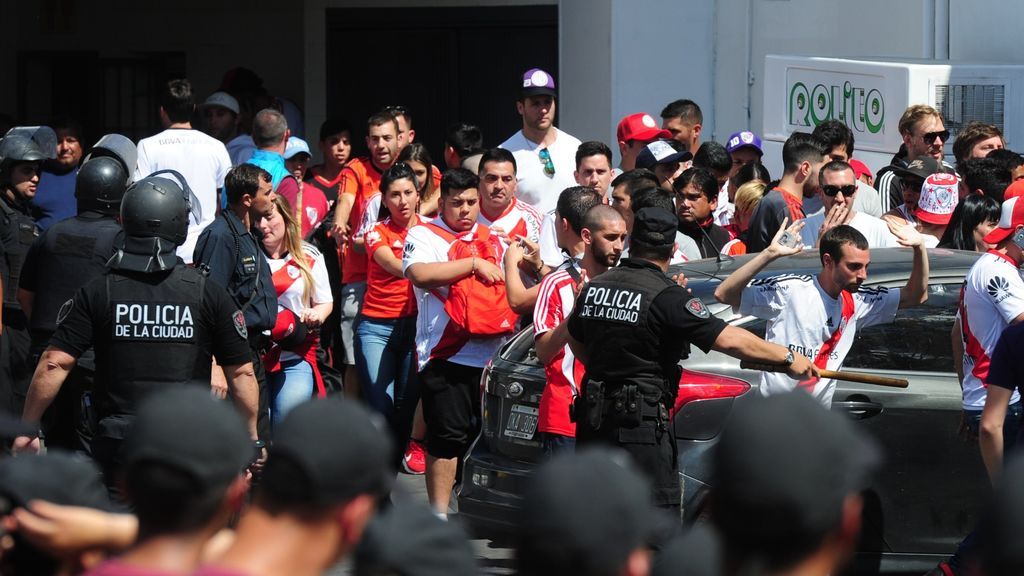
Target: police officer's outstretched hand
(802,368)
(26,445)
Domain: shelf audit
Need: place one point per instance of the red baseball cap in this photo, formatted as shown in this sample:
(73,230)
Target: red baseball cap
(1013,190)
(1011,217)
(939,196)
(641,127)
(859,168)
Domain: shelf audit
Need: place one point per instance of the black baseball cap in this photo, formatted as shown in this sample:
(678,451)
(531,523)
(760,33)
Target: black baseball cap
(327,451)
(654,226)
(585,513)
(411,541)
(661,152)
(782,469)
(921,168)
(187,429)
(57,477)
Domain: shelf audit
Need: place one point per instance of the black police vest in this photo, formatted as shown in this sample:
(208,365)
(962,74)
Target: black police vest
(76,250)
(155,331)
(621,347)
(17,233)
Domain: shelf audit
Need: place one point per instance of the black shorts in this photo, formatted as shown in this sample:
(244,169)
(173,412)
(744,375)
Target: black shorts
(451,407)
(653,451)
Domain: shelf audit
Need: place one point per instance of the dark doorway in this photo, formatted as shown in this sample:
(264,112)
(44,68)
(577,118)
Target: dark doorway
(444,64)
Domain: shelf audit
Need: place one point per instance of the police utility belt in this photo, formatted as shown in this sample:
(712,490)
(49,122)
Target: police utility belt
(620,406)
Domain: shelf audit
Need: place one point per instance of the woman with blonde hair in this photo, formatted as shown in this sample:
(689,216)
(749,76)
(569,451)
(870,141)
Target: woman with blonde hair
(304,300)
(748,196)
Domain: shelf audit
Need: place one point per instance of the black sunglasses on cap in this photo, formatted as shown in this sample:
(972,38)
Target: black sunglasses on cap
(830,190)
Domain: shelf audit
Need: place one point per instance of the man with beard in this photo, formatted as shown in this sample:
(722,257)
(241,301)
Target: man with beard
(818,316)
(924,134)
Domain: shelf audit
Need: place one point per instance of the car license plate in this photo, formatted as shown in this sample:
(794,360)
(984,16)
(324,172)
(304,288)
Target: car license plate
(522,422)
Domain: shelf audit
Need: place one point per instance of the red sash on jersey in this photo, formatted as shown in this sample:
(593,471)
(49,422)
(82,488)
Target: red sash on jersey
(306,350)
(821,359)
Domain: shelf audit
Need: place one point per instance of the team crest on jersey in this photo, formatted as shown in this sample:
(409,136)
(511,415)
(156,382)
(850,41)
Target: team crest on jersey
(697,308)
(312,213)
(238,320)
(293,271)
(373,236)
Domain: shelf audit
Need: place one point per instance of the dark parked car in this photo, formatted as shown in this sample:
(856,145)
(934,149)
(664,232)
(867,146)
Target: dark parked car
(920,507)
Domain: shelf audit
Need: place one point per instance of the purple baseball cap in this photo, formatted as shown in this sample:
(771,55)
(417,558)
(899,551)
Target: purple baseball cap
(537,82)
(745,138)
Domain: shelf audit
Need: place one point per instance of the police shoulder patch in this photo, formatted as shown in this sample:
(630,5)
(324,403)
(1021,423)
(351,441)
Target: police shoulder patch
(697,308)
(238,319)
(65,309)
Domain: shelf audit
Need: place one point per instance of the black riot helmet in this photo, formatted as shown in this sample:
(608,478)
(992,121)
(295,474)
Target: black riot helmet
(106,174)
(15,149)
(155,214)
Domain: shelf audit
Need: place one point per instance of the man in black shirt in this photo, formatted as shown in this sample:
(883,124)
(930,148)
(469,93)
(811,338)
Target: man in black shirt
(696,200)
(630,327)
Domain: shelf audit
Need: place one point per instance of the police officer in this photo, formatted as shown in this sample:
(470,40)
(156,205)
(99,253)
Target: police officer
(152,321)
(630,328)
(66,257)
(229,253)
(21,161)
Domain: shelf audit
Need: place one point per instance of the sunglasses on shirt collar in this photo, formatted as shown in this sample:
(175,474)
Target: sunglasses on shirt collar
(545,158)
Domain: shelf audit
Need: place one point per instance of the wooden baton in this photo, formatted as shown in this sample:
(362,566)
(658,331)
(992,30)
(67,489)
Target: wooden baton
(835,374)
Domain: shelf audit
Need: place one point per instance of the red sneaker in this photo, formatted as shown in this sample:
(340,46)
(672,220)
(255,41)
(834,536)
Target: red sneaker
(415,459)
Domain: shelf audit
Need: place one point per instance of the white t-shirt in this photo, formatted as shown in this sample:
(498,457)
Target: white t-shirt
(993,296)
(291,298)
(725,209)
(535,187)
(201,159)
(424,246)
(874,229)
(802,317)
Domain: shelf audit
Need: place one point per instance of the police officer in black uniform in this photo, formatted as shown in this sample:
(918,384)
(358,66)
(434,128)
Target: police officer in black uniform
(229,252)
(21,161)
(630,327)
(152,321)
(66,257)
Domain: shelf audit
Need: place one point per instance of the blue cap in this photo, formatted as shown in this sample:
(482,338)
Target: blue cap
(295,146)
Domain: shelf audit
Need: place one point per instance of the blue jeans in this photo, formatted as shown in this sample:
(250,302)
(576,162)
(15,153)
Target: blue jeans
(386,363)
(290,386)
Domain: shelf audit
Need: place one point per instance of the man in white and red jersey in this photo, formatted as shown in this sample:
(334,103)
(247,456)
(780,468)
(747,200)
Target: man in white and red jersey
(601,237)
(992,298)
(450,363)
(499,208)
(818,316)
(360,180)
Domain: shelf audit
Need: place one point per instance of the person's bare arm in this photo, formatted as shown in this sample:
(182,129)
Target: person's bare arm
(62,530)
(26,299)
(428,275)
(990,433)
(340,228)
(53,368)
(387,260)
(314,316)
(244,391)
(739,343)
(520,298)
(730,291)
(916,290)
(549,343)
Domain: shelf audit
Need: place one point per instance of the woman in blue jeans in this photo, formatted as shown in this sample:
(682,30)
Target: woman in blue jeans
(304,300)
(385,333)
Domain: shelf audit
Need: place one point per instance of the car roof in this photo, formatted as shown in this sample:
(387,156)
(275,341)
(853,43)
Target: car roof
(887,265)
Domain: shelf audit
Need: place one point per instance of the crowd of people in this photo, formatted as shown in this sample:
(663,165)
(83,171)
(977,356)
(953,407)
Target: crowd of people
(205,312)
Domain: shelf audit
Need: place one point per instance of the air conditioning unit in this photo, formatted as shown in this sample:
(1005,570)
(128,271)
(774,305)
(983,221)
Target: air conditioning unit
(869,96)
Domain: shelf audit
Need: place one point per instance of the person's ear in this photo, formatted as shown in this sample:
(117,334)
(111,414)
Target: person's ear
(587,237)
(805,169)
(520,107)
(411,136)
(697,128)
(713,202)
(353,516)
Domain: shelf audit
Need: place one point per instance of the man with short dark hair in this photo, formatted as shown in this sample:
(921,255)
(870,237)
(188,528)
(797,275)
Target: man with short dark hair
(463,142)
(819,315)
(55,195)
(315,497)
(838,140)
(684,120)
(625,185)
(402,116)
(450,361)
(986,176)
(715,158)
(202,160)
(656,197)
(544,154)
(594,166)
(839,191)
(802,157)
(696,192)
(500,208)
(976,140)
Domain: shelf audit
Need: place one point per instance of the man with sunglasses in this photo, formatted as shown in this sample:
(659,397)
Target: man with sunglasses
(838,195)
(545,156)
(924,134)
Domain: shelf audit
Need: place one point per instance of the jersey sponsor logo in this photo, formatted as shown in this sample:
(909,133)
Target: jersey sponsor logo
(697,308)
(409,247)
(152,321)
(812,352)
(998,288)
(615,304)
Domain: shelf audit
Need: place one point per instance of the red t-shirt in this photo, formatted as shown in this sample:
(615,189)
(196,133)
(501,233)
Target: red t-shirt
(563,373)
(387,296)
(360,179)
(328,187)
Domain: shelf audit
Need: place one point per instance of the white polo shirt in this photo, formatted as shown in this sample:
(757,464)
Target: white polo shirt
(535,187)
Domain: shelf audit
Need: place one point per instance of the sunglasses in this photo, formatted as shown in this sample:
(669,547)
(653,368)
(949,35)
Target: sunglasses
(831,191)
(549,166)
(931,136)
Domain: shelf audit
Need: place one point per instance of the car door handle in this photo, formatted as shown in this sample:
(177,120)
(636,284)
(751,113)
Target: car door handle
(859,408)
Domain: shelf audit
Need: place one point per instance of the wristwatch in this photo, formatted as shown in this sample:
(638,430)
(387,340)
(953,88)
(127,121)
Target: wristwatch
(789,358)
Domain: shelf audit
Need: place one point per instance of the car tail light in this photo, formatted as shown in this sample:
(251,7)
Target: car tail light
(695,385)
